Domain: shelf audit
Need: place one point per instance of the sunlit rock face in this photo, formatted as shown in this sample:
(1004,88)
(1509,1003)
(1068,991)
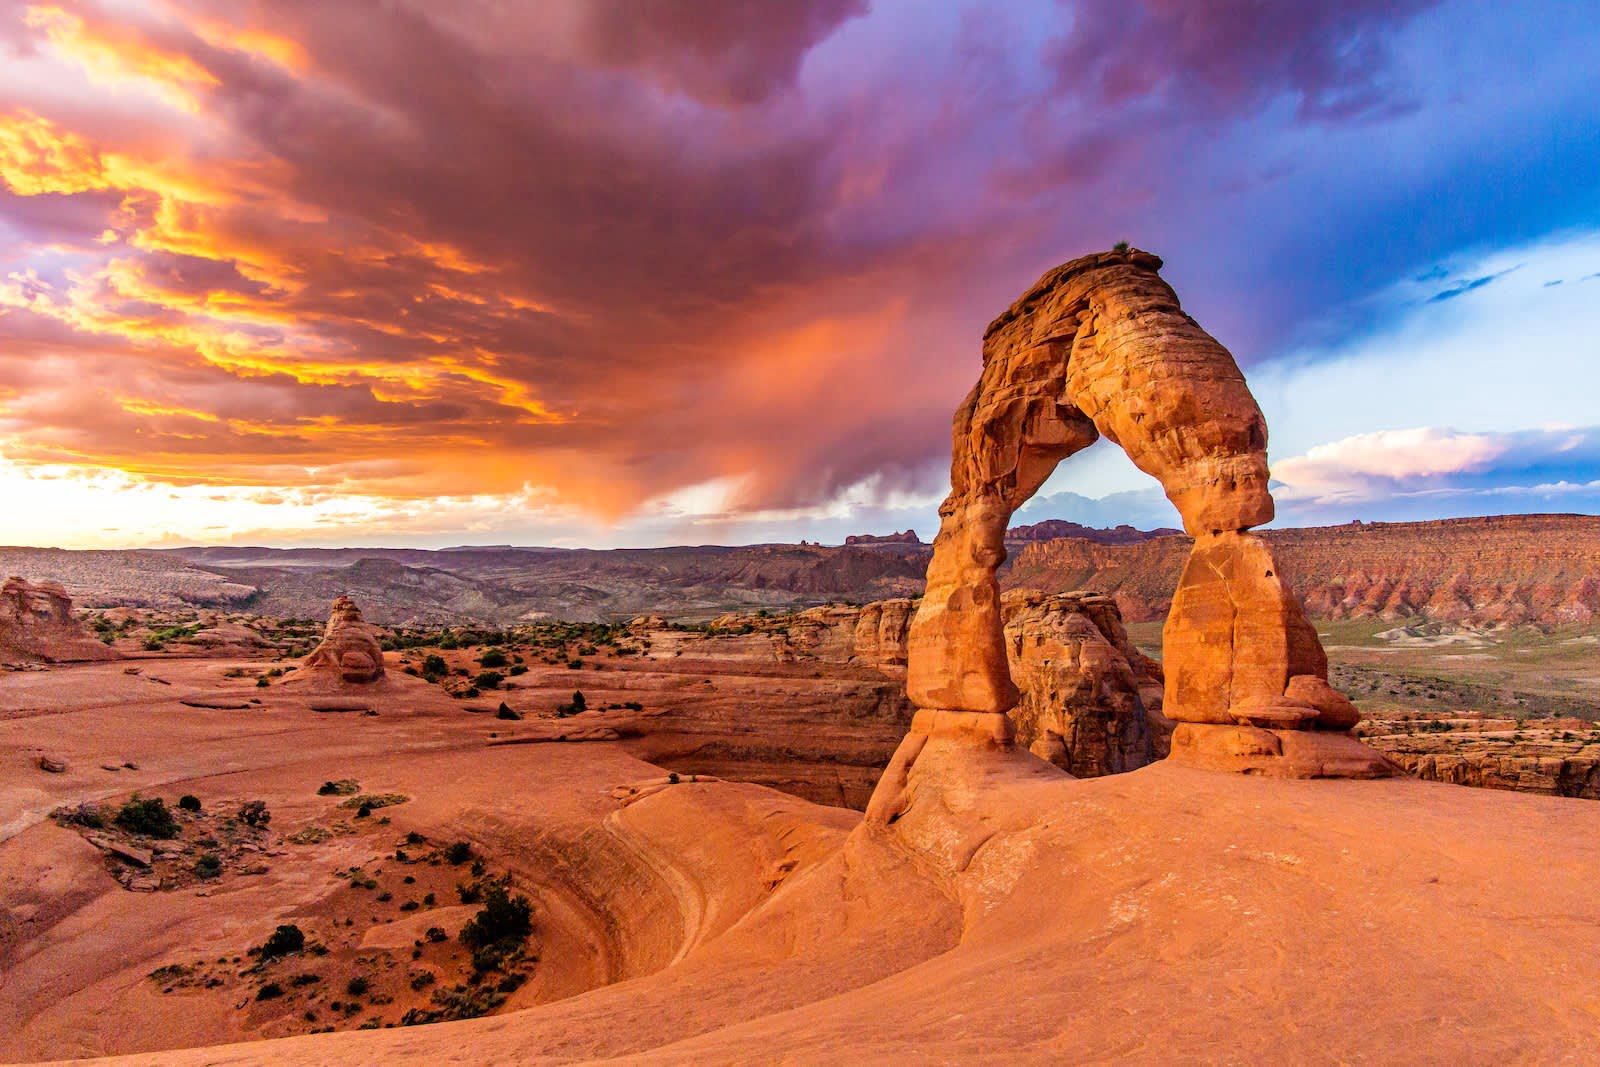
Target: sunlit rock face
(37,624)
(349,649)
(1101,347)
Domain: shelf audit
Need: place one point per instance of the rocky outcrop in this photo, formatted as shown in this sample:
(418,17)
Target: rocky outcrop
(1090,701)
(1540,570)
(37,624)
(1099,347)
(1552,756)
(349,650)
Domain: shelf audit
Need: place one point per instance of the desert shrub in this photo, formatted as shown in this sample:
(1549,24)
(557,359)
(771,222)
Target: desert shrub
(270,991)
(423,979)
(188,802)
(489,680)
(436,934)
(469,894)
(518,670)
(414,838)
(344,787)
(634,705)
(254,813)
(357,986)
(208,866)
(86,815)
(574,664)
(365,810)
(457,853)
(375,800)
(504,918)
(434,666)
(262,682)
(148,818)
(494,657)
(286,939)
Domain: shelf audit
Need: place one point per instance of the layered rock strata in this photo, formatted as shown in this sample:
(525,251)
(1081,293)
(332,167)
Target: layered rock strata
(1101,347)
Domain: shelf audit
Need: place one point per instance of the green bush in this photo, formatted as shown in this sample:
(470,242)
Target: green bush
(504,917)
(457,853)
(286,939)
(208,866)
(435,667)
(270,991)
(489,680)
(494,657)
(148,818)
(357,986)
(189,802)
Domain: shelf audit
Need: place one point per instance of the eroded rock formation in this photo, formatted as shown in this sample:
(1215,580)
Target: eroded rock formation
(1090,702)
(36,623)
(349,649)
(1099,347)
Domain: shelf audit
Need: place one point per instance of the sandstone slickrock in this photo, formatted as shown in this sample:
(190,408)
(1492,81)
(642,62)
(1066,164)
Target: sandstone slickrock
(349,649)
(36,623)
(1100,346)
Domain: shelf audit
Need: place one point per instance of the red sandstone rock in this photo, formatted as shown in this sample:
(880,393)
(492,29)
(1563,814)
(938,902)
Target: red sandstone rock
(349,648)
(36,623)
(1098,347)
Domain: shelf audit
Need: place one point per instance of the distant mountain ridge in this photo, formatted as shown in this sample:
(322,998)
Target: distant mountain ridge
(1540,569)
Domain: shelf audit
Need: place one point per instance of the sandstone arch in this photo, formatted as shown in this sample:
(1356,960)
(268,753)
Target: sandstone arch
(1101,347)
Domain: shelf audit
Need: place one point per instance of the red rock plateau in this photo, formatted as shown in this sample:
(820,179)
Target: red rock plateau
(1541,570)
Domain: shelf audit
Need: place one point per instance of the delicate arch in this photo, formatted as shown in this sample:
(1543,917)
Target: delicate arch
(1101,347)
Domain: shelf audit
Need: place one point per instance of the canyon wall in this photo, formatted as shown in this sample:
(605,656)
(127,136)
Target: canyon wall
(1090,700)
(1503,569)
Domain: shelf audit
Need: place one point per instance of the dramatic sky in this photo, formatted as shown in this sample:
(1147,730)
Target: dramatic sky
(665,271)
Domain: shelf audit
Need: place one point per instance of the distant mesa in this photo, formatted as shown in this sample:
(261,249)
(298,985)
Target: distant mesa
(1047,530)
(349,648)
(908,538)
(37,625)
(1052,529)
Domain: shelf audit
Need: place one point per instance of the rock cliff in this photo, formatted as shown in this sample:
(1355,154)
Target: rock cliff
(1542,570)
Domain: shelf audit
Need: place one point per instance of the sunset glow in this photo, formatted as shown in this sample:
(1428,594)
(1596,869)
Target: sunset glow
(440,273)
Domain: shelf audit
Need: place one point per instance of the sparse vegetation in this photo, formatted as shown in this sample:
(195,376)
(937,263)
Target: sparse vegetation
(286,940)
(148,818)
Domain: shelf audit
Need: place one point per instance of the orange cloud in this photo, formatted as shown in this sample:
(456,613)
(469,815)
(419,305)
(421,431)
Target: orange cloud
(114,56)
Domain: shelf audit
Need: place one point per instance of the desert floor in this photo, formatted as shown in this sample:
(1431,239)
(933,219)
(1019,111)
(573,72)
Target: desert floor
(1167,915)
